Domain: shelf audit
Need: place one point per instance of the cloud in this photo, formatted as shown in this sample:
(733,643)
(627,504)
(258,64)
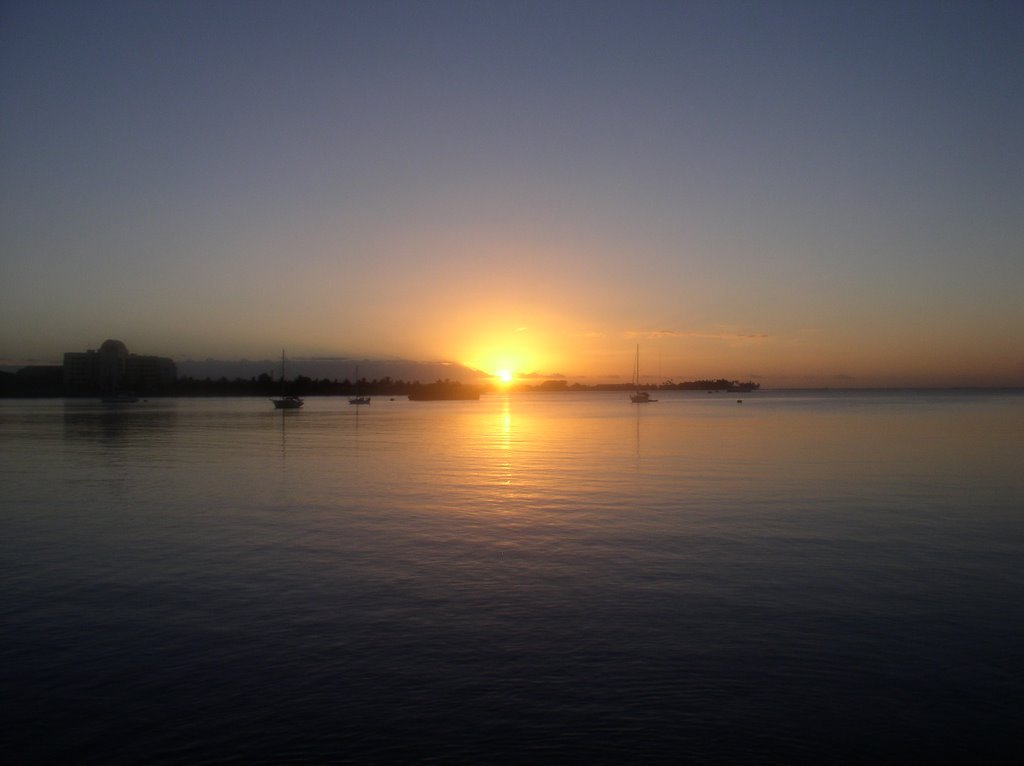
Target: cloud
(724,336)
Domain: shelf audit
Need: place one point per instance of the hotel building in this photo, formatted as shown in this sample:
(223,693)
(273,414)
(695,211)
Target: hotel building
(112,369)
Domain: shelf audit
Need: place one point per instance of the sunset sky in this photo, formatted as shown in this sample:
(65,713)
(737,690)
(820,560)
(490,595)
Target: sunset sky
(802,193)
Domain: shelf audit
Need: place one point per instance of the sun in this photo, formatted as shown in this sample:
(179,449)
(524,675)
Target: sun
(504,376)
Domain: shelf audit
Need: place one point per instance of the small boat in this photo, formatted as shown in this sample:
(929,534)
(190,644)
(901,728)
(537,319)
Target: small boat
(638,396)
(286,402)
(444,391)
(121,397)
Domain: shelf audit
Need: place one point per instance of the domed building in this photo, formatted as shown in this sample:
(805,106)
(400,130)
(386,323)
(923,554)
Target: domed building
(112,369)
(111,346)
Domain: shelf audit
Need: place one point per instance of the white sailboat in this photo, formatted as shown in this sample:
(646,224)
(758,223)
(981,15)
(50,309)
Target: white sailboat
(286,402)
(638,396)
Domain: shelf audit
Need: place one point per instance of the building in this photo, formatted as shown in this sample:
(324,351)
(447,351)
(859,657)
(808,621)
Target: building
(112,369)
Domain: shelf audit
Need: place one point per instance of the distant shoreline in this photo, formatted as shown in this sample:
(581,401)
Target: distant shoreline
(485,390)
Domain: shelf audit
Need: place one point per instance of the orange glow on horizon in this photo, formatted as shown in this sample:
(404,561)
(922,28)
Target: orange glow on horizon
(506,352)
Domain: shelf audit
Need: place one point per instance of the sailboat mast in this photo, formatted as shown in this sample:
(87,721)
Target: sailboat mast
(638,396)
(286,402)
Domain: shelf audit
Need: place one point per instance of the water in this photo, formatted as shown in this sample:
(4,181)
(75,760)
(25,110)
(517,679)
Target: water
(803,577)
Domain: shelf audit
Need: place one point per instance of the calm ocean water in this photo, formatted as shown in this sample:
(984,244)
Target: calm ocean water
(803,577)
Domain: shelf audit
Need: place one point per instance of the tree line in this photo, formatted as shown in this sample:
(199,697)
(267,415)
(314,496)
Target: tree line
(301,385)
(50,384)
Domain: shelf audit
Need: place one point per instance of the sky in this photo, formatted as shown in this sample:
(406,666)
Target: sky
(798,193)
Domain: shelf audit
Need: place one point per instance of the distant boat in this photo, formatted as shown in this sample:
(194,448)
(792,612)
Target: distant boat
(286,402)
(638,396)
(444,391)
(121,397)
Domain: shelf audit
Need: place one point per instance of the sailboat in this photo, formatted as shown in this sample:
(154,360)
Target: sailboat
(286,402)
(638,396)
(358,398)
